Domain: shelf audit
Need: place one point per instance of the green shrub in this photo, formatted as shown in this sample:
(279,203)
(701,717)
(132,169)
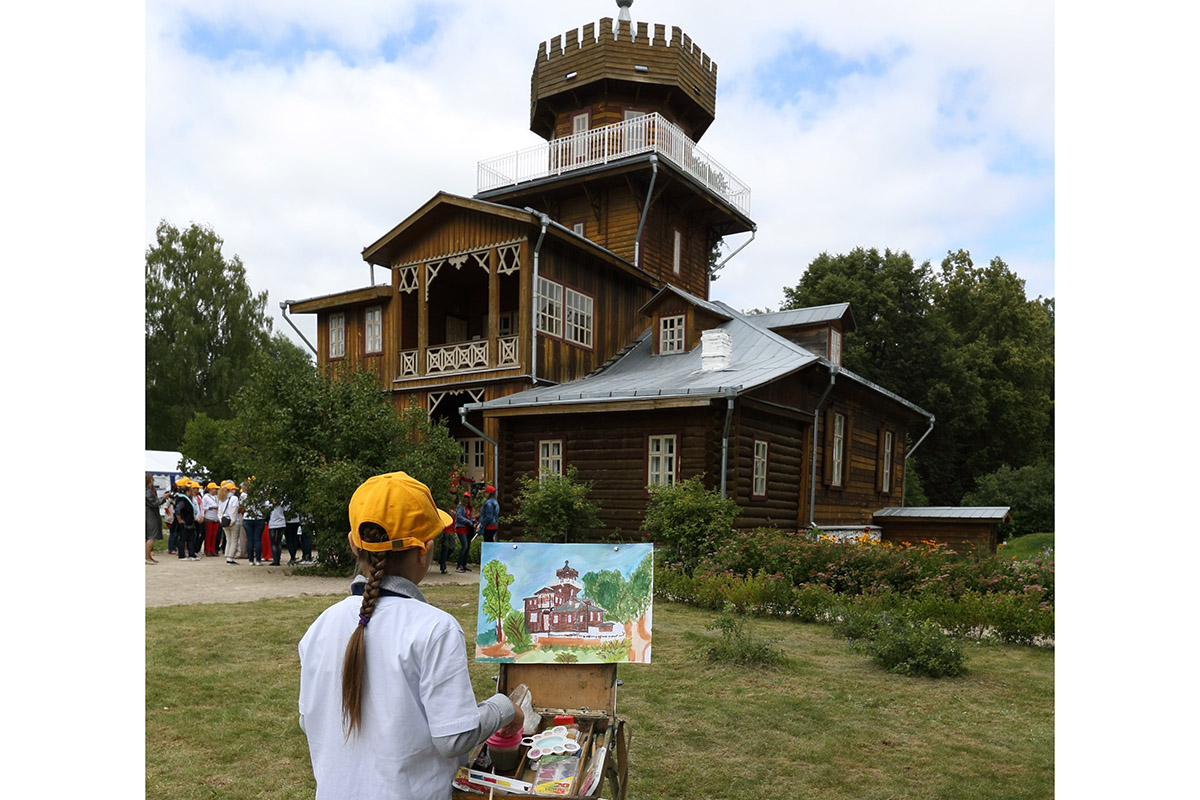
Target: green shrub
(1029,491)
(739,646)
(566,657)
(688,520)
(908,646)
(553,508)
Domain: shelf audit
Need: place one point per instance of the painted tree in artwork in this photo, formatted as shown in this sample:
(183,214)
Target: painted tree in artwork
(641,585)
(496,596)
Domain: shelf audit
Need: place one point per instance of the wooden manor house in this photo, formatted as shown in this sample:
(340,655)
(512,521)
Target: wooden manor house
(561,316)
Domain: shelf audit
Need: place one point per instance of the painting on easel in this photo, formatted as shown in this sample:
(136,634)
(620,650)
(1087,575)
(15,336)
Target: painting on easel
(565,603)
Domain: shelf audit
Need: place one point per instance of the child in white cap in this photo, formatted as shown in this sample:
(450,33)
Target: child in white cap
(390,712)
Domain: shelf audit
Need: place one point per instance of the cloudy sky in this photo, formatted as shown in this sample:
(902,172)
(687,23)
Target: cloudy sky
(302,131)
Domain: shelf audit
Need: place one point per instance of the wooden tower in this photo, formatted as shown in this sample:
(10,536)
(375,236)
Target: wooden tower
(621,108)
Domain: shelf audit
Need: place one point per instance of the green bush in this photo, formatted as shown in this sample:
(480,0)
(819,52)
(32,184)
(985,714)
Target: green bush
(554,507)
(908,646)
(739,646)
(1029,491)
(688,519)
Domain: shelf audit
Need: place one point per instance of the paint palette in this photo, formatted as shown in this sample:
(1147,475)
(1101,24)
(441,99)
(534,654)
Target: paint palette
(552,742)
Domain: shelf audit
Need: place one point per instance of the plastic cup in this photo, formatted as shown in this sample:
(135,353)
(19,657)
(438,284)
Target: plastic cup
(505,751)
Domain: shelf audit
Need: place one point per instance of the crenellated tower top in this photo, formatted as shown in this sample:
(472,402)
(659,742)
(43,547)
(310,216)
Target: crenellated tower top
(622,62)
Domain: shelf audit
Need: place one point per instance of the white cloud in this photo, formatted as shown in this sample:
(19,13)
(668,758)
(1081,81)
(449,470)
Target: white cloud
(299,163)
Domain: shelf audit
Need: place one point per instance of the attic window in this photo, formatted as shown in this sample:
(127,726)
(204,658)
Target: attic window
(670,335)
(337,335)
(835,346)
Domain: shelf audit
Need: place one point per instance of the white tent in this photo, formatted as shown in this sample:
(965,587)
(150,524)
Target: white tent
(164,466)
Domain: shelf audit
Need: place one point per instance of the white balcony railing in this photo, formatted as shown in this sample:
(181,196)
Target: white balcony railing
(650,133)
(455,357)
(459,357)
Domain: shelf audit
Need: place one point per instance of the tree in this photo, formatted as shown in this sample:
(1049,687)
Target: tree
(203,325)
(964,343)
(311,439)
(895,341)
(207,448)
(994,392)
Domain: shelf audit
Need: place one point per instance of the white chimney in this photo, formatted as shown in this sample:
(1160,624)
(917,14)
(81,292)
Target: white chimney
(716,350)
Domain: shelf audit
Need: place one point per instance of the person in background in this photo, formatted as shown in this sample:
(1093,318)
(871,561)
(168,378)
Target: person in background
(489,515)
(305,543)
(153,520)
(291,534)
(445,542)
(194,490)
(464,526)
(277,523)
(185,521)
(208,509)
(392,713)
(231,507)
(172,520)
(254,522)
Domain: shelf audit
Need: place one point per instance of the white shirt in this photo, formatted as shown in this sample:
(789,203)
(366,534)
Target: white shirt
(416,686)
(209,503)
(232,508)
(278,518)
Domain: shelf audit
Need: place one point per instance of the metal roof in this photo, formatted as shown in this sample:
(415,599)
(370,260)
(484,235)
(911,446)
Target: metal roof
(982,513)
(758,357)
(802,316)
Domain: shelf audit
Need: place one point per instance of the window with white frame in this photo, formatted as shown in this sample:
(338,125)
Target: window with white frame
(579,318)
(678,254)
(472,458)
(887,461)
(670,335)
(580,228)
(373,323)
(839,447)
(835,346)
(760,468)
(660,466)
(550,307)
(550,457)
(337,335)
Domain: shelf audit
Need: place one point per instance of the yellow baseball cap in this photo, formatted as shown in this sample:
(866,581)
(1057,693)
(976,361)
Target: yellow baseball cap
(402,506)
(183,482)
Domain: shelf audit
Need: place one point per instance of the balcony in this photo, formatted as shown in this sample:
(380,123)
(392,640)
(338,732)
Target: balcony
(650,133)
(459,357)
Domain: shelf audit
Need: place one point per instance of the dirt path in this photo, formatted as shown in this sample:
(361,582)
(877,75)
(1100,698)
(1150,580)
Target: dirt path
(172,582)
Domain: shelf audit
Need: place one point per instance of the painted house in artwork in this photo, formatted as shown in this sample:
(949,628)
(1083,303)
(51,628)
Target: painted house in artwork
(562,316)
(558,608)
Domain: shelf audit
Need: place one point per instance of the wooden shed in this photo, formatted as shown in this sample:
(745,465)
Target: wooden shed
(959,528)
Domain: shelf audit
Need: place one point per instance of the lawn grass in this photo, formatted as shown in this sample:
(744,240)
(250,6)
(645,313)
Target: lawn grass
(1031,544)
(222,680)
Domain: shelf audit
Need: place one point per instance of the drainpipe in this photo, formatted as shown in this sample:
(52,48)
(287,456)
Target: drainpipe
(729,396)
(533,327)
(462,415)
(812,485)
(724,261)
(637,243)
(908,455)
(283,306)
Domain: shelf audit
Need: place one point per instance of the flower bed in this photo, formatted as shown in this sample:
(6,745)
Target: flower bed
(812,578)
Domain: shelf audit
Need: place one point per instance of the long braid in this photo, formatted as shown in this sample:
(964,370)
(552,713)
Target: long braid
(374,568)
